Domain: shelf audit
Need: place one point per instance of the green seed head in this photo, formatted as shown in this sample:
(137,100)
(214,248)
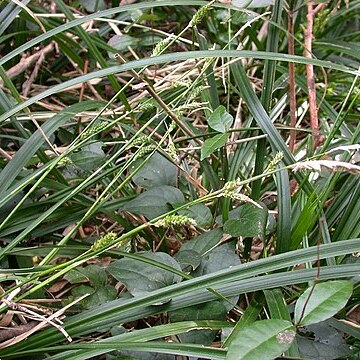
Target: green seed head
(65,161)
(275,161)
(161,46)
(172,151)
(93,129)
(140,140)
(175,220)
(104,241)
(200,14)
(146,150)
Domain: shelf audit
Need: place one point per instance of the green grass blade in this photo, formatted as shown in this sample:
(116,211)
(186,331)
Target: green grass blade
(36,140)
(120,311)
(138,64)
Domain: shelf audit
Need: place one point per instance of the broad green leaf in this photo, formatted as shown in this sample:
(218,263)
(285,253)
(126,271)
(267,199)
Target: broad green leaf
(189,260)
(212,144)
(327,343)
(94,274)
(82,290)
(316,350)
(93,5)
(235,214)
(101,295)
(214,310)
(121,43)
(265,340)
(322,302)
(204,242)
(89,157)
(99,291)
(220,120)
(231,281)
(251,222)
(156,171)
(97,296)
(75,277)
(200,213)
(141,278)
(222,257)
(155,201)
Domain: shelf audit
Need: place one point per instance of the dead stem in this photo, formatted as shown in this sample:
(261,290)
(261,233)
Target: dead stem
(314,121)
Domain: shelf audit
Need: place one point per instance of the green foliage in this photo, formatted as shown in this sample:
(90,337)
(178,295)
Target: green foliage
(327,342)
(200,213)
(266,339)
(220,120)
(98,289)
(214,143)
(136,208)
(323,301)
(155,201)
(140,278)
(156,171)
(250,222)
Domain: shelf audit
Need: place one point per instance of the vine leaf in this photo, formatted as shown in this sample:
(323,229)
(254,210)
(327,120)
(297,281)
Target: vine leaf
(212,144)
(220,120)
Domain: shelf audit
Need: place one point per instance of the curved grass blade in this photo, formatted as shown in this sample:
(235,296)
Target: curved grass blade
(181,56)
(36,140)
(229,282)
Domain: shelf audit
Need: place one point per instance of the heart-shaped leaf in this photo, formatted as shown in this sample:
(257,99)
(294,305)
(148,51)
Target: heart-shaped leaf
(121,43)
(140,278)
(204,242)
(222,257)
(251,222)
(156,171)
(200,213)
(220,120)
(188,259)
(326,343)
(213,310)
(155,201)
(90,156)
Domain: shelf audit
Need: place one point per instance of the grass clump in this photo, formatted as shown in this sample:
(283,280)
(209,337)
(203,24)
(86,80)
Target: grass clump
(157,199)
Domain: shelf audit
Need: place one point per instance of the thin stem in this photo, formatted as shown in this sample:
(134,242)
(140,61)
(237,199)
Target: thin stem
(292,91)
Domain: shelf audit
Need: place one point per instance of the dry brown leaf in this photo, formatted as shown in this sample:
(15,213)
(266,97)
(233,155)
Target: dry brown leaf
(57,286)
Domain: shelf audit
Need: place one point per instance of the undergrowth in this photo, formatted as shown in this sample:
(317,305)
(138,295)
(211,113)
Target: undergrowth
(157,200)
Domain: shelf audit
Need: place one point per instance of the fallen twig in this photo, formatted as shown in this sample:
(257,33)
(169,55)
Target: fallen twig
(26,62)
(42,324)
